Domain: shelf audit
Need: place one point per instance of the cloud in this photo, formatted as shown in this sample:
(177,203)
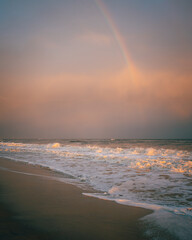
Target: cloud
(97,105)
(144,89)
(98,39)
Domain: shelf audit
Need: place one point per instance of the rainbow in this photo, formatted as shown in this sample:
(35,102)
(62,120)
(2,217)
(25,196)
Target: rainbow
(117,35)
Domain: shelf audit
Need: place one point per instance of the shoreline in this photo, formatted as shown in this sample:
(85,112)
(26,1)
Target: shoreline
(45,208)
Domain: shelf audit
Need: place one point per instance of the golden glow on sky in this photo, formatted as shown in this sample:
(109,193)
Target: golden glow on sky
(95,69)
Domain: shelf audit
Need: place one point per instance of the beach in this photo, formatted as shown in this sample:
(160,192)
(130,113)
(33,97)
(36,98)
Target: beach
(36,204)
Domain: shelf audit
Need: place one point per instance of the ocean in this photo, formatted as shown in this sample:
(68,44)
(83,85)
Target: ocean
(154,174)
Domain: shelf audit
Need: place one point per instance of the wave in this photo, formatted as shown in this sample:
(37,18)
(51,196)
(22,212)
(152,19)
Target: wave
(154,175)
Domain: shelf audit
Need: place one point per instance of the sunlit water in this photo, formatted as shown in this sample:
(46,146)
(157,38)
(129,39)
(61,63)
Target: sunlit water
(155,174)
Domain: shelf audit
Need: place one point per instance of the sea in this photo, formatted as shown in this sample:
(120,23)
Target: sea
(153,174)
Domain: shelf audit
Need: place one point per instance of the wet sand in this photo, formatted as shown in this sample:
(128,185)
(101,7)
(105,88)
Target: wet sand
(41,207)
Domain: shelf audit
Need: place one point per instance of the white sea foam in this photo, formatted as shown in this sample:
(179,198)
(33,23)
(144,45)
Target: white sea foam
(144,174)
(152,175)
(164,225)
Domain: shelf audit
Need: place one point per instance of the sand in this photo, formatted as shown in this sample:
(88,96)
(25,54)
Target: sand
(40,206)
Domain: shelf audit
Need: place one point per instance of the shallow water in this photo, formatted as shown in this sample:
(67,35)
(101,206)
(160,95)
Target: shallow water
(155,174)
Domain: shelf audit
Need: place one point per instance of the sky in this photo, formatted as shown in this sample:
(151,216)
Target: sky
(95,69)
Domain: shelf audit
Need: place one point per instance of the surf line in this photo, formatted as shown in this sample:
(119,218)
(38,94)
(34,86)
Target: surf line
(32,174)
